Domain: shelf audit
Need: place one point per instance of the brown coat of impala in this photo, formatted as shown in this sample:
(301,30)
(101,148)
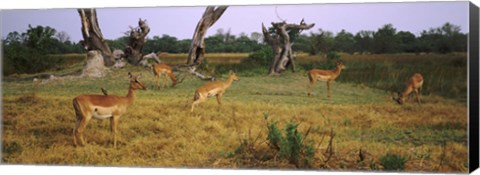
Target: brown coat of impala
(102,107)
(165,70)
(215,88)
(324,75)
(414,84)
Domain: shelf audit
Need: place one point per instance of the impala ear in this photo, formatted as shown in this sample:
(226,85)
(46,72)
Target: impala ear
(230,72)
(129,75)
(139,76)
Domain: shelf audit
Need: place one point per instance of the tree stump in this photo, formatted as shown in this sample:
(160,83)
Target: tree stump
(94,66)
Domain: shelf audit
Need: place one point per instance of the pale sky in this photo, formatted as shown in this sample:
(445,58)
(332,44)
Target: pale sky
(180,22)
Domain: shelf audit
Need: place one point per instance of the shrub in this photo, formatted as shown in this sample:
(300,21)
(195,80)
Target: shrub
(291,144)
(393,162)
(21,59)
(261,57)
(332,58)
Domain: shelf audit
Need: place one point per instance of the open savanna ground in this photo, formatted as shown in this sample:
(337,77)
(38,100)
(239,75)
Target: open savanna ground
(159,130)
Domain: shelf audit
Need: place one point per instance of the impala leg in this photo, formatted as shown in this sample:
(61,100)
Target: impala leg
(80,129)
(219,99)
(165,81)
(157,80)
(309,87)
(77,124)
(162,77)
(329,83)
(417,96)
(196,102)
(113,129)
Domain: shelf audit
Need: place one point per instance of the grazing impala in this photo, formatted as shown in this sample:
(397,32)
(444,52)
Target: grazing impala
(414,84)
(166,70)
(216,88)
(103,107)
(324,75)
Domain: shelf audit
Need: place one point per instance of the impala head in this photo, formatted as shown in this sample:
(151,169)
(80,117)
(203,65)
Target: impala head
(340,65)
(399,99)
(232,75)
(135,83)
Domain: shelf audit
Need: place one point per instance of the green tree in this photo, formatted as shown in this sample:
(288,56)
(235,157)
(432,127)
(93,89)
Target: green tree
(15,37)
(42,39)
(363,41)
(444,39)
(30,52)
(407,41)
(119,43)
(385,40)
(344,42)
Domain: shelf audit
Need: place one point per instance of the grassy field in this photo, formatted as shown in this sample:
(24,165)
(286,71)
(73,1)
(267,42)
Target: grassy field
(159,130)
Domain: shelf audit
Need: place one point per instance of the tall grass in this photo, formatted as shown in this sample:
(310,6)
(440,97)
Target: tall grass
(444,75)
(159,131)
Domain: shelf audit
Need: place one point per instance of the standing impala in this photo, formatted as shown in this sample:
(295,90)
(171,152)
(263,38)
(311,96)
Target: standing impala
(166,70)
(324,75)
(414,84)
(216,88)
(102,107)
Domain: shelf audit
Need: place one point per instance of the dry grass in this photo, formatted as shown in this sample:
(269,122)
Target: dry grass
(159,131)
(223,58)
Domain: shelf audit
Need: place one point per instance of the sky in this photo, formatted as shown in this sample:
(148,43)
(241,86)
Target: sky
(180,22)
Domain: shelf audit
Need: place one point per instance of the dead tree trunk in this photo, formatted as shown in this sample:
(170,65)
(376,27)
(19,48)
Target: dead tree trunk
(281,44)
(197,49)
(133,52)
(92,35)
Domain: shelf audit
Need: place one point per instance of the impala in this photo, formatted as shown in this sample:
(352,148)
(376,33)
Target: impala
(324,75)
(215,88)
(166,70)
(102,107)
(414,85)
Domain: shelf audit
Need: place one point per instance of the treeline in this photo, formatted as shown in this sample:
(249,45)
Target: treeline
(387,39)
(221,42)
(29,52)
(32,51)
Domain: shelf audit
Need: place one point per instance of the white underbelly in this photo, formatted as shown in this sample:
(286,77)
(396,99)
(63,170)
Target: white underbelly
(322,77)
(214,92)
(100,112)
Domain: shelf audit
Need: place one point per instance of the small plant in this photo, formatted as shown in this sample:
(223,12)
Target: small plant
(393,162)
(290,145)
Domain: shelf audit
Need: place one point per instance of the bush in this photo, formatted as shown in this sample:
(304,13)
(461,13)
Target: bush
(256,63)
(393,162)
(291,144)
(22,59)
(332,58)
(261,57)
